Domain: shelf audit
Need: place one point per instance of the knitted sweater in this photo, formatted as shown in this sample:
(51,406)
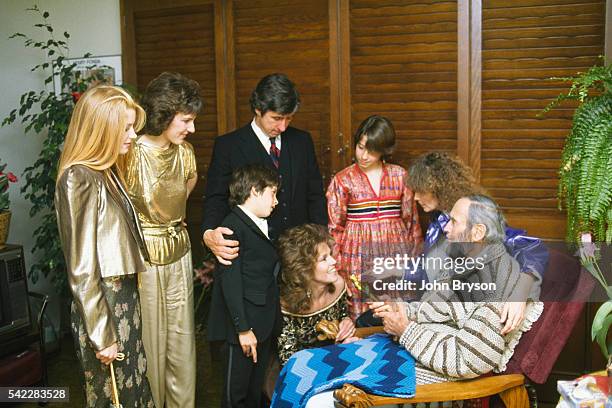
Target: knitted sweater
(457,335)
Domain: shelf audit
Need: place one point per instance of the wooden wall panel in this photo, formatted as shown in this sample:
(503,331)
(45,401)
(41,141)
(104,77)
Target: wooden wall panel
(162,44)
(291,37)
(525,42)
(404,66)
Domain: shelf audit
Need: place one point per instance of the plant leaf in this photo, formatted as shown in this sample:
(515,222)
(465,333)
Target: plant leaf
(602,336)
(600,317)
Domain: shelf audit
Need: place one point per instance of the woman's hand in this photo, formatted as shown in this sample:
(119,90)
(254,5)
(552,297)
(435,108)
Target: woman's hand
(107,355)
(378,307)
(394,321)
(513,315)
(346,330)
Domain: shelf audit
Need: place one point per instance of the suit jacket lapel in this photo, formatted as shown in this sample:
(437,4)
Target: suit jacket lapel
(250,145)
(249,222)
(288,162)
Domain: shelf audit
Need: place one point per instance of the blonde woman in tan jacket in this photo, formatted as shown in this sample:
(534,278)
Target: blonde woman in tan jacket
(103,246)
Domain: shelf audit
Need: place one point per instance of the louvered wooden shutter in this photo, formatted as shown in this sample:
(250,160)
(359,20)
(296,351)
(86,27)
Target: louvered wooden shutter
(291,37)
(181,39)
(524,43)
(404,67)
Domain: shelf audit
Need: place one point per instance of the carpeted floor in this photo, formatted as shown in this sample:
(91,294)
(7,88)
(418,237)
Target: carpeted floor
(63,371)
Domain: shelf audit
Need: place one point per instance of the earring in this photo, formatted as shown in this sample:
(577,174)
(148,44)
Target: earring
(308,294)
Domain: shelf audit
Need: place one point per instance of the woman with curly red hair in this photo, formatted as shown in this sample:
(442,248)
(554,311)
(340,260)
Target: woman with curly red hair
(311,290)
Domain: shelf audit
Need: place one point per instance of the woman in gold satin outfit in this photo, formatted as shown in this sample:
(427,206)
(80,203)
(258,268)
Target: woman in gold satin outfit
(160,175)
(103,246)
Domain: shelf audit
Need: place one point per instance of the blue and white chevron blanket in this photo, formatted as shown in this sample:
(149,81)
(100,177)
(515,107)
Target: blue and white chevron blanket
(377,364)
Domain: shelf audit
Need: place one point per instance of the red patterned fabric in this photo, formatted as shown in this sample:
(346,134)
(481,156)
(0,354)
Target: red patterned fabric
(366,225)
(274,152)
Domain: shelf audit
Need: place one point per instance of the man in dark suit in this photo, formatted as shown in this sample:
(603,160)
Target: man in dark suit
(268,140)
(245,307)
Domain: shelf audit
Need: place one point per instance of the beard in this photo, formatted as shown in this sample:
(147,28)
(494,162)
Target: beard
(462,247)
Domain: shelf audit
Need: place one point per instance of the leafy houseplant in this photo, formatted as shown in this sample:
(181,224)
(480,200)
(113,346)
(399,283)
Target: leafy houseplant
(47,113)
(585,180)
(585,177)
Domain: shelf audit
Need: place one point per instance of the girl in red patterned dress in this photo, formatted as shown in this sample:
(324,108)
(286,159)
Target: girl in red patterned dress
(372,214)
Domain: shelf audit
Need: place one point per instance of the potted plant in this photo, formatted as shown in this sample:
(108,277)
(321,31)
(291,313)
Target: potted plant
(585,180)
(5,212)
(47,113)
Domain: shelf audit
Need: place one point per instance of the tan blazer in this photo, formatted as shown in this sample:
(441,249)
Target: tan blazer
(101,238)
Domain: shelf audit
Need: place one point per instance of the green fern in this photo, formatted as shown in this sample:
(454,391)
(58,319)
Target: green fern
(585,175)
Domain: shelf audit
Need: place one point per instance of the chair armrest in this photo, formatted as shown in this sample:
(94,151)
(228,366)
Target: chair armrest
(44,301)
(350,396)
(363,332)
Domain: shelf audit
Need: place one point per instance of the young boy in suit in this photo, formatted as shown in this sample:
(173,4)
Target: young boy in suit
(245,308)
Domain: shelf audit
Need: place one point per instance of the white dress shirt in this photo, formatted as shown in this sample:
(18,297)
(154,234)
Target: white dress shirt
(264,138)
(261,223)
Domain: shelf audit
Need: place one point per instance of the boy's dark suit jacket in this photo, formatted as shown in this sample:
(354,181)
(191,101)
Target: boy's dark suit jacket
(301,198)
(245,294)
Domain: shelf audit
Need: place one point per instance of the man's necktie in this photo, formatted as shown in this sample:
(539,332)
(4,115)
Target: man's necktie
(274,152)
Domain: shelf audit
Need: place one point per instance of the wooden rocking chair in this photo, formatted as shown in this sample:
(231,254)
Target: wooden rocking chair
(564,290)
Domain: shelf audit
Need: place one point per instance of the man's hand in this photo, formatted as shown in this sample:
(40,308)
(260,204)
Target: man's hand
(395,321)
(346,330)
(107,355)
(248,342)
(224,249)
(513,315)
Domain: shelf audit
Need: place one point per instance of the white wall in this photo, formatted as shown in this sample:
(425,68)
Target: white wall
(94,27)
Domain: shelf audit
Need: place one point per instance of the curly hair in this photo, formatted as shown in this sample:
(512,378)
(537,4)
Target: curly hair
(298,250)
(168,94)
(444,176)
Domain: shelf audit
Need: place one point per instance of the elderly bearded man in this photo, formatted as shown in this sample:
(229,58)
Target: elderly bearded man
(455,335)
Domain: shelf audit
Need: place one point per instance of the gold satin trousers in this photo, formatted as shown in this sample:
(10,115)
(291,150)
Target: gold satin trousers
(166,298)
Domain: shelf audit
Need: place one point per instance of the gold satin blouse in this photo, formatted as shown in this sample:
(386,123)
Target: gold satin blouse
(156,181)
(101,238)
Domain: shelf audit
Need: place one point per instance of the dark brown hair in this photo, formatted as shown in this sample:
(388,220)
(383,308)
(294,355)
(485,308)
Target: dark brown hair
(168,94)
(380,133)
(444,176)
(298,250)
(276,93)
(251,176)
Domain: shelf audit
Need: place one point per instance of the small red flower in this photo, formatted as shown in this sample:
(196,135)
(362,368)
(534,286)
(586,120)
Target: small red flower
(76,96)
(11,177)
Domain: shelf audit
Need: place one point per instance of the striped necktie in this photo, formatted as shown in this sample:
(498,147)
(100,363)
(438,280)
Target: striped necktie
(274,152)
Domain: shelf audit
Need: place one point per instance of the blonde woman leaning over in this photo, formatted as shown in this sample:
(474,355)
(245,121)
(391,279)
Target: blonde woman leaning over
(103,247)
(160,175)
